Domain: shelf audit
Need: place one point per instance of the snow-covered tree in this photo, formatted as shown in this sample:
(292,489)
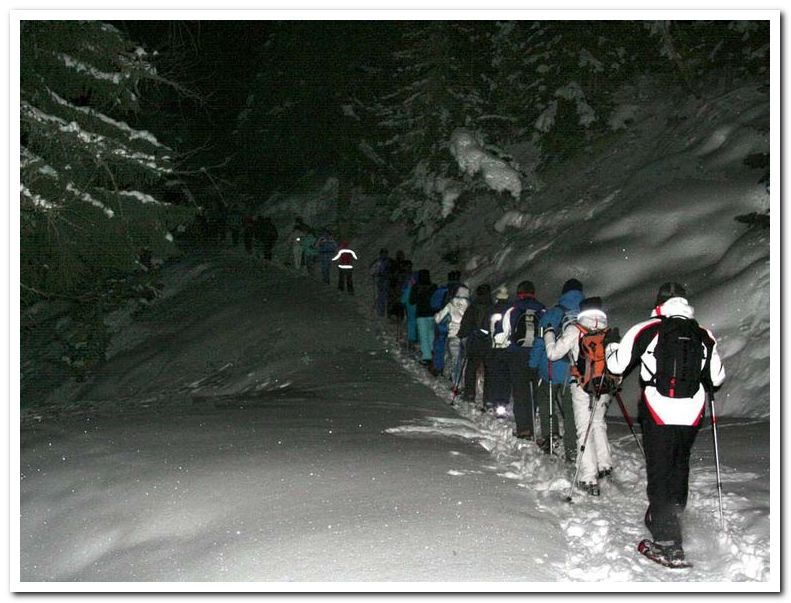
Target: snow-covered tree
(89,181)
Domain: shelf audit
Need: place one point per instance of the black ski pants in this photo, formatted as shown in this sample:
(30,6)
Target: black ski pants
(523,386)
(345,279)
(477,351)
(562,410)
(499,377)
(667,451)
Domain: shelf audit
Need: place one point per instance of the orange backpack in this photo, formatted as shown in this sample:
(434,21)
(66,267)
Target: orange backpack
(591,367)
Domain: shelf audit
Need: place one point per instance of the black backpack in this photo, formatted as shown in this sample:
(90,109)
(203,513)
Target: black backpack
(526,331)
(679,358)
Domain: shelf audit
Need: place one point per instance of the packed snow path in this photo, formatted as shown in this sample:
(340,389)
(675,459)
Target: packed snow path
(257,426)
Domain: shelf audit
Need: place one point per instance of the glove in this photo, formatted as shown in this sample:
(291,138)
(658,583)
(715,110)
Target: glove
(613,336)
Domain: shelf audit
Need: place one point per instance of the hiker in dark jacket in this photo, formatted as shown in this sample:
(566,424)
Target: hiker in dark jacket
(476,336)
(420,296)
(523,378)
(380,270)
(399,271)
(267,235)
(496,364)
(409,308)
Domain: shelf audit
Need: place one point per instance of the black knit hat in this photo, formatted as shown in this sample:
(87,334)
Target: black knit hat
(571,285)
(668,290)
(526,287)
(454,275)
(591,303)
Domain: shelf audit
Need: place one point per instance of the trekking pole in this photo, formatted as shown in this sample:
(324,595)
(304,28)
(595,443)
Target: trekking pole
(533,411)
(716,455)
(457,381)
(551,443)
(629,421)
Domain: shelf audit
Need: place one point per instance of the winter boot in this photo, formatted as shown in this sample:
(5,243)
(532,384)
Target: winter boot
(590,488)
(557,444)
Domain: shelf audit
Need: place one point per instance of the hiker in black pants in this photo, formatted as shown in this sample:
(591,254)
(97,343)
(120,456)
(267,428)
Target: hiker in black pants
(671,405)
(524,319)
(477,344)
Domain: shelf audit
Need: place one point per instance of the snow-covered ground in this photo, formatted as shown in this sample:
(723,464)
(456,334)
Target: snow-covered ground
(257,427)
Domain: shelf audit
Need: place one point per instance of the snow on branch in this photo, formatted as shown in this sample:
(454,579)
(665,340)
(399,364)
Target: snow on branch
(89,199)
(472,158)
(36,200)
(79,66)
(121,125)
(142,197)
(102,145)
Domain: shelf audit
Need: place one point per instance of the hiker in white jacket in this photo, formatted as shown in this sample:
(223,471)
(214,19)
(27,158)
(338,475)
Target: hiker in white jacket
(670,421)
(454,311)
(596,462)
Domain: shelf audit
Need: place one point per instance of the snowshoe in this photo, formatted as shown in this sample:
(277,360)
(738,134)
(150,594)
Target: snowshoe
(557,445)
(671,556)
(592,489)
(605,473)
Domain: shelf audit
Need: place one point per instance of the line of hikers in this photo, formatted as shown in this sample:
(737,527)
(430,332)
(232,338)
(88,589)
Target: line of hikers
(563,363)
(566,364)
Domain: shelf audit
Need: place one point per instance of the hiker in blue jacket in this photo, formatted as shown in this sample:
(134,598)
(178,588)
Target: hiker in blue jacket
(411,309)
(327,249)
(557,373)
(525,319)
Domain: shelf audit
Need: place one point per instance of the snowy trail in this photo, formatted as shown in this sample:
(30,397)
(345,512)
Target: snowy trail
(255,427)
(601,534)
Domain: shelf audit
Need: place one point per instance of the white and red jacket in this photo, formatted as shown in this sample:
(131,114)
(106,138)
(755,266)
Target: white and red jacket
(345,258)
(637,346)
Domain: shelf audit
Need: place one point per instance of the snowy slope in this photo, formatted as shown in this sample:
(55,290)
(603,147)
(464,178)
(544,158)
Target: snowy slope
(650,203)
(257,427)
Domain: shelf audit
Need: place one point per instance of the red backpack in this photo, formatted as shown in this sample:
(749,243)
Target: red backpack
(590,369)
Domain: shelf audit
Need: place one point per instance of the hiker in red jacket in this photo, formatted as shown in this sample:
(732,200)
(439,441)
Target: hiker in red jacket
(345,258)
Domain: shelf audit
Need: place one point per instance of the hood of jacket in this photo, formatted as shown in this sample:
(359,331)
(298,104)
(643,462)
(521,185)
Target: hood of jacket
(675,306)
(571,299)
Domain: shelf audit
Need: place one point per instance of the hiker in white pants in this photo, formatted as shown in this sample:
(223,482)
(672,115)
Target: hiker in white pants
(596,461)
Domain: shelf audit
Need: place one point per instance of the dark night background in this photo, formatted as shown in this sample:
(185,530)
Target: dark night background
(314,67)
(202,399)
